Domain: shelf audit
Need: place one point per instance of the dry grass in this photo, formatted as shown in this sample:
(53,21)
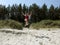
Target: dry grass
(10,24)
(46,24)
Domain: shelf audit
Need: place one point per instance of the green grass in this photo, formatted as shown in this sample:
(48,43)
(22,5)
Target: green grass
(46,24)
(10,24)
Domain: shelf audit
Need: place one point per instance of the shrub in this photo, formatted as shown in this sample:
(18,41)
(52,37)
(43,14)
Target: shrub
(10,24)
(46,24)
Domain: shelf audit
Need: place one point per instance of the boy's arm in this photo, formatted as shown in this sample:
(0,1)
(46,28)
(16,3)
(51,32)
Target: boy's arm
(23,13)
(31,13)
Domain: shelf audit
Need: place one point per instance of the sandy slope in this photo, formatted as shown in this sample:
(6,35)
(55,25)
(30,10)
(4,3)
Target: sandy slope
(30,37)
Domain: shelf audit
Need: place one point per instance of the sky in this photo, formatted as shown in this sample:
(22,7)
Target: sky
(56,3)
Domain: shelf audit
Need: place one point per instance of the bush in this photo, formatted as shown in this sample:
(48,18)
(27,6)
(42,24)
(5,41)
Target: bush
(46,24)
(10,24)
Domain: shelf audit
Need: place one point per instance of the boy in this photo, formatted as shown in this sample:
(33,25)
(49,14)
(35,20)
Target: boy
(27,18)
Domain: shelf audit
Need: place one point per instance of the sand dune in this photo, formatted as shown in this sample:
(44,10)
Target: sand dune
(29,37)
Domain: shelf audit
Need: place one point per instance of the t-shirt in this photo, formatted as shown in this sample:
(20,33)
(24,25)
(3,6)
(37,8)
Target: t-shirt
(26,17)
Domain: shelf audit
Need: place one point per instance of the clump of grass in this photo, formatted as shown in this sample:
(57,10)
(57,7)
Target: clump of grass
(10,24)
(46,24)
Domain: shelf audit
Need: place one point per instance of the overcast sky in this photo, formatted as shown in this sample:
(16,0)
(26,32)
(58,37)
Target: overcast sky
(30,2)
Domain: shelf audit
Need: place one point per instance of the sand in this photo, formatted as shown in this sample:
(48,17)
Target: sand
(30,37)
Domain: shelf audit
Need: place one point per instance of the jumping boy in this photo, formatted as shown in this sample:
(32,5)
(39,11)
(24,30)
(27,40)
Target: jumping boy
(27,18)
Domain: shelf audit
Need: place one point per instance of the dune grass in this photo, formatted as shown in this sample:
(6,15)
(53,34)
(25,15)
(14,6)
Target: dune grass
(46,24)
(10,24)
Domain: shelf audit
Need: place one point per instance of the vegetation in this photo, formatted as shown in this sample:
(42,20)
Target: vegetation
(38,13)
(41,16)
(10,24)
(46,24)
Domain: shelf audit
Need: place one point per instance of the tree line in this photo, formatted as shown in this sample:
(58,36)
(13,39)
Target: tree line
(38,13)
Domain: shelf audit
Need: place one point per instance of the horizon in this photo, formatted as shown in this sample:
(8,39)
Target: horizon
(55,3)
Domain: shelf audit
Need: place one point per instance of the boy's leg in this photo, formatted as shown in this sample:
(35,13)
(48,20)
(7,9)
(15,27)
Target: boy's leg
(26,23)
